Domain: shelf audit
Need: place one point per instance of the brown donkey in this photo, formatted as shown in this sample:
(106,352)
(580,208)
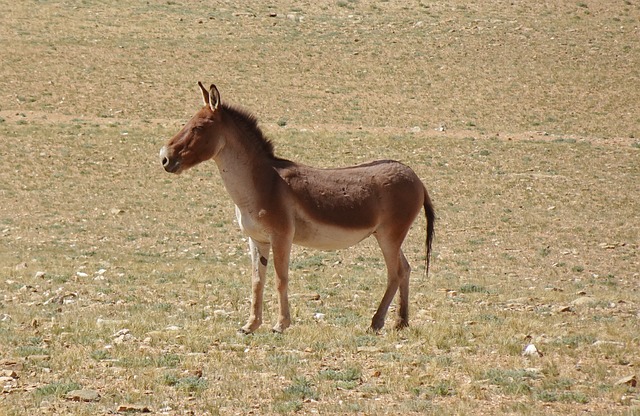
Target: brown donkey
(280,202)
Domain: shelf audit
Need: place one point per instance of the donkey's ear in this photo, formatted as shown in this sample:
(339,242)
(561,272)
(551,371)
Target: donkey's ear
(205,93)
(214,97)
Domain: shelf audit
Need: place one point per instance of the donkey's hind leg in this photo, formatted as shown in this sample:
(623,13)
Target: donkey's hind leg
(404,272)
(397,277)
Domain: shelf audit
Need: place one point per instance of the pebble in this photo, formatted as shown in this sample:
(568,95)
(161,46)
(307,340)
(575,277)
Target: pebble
(125,408)
(531,351)
(629,380)
(173,328)
(584,300)
(83,396)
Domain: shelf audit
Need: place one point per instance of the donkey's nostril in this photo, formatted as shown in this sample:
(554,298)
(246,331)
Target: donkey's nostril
(169,164)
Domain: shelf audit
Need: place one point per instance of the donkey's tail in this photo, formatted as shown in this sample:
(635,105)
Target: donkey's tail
(430,215)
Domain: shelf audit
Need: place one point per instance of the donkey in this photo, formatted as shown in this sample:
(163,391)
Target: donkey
(279,203)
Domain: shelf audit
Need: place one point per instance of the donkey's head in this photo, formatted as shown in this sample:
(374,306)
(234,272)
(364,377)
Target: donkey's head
(199,140)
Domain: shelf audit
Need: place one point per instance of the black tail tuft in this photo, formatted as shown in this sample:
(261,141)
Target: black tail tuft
(430,215)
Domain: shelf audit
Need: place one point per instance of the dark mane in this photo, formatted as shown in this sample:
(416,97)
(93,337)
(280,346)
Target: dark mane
(248,123)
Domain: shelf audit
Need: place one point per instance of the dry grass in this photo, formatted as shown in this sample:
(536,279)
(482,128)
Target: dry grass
(529,223)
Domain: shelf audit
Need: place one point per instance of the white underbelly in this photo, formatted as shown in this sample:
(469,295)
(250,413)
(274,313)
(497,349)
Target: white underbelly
(308,233)
(326,237)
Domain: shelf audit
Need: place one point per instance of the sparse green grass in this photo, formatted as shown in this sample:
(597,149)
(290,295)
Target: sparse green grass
(348,374)
(189,384)
(56,389)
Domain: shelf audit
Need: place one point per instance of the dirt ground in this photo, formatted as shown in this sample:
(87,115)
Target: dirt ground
(121,287)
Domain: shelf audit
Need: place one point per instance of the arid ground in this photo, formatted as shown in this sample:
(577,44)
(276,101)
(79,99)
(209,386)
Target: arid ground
(122,287)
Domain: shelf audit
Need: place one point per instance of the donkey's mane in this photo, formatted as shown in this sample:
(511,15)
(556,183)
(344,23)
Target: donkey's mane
(248,123)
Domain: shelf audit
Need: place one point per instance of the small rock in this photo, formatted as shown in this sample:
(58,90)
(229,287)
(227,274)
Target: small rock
(39,357)
(68,298)
(111,322)
(531,351)
(8,374)
(221,313)
(117,211)
(600,343)
(40,275)
(8,381)
(122,339)
(608,246)
(123,408)
(65,299)
(21,266)
(295,18)
(583,300)
(318,316)
(83,396)
(12,365)
(307,296)
(628,380)
(369,349)
(173,328)
(121,332)
(122,336)
(29,288)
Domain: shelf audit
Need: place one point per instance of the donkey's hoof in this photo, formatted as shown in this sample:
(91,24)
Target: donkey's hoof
(374,331)
(400,325)
(279,328)
(377,323)
(244,331)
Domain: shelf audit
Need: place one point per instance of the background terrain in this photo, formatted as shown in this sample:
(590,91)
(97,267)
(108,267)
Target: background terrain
(128,284)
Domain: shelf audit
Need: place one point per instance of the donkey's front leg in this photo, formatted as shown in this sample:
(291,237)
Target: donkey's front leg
(259,260)
(281,253)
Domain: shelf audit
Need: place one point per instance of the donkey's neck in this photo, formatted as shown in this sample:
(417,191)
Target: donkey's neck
(243,167)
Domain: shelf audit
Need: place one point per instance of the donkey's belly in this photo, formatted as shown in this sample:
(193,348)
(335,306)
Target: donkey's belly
(327,237)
